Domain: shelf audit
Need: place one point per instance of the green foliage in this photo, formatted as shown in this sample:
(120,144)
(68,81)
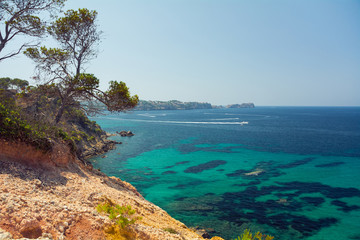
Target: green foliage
(78,117)
(247,235)
(44,54)
(4,83)
(118,97)
(77,136)
(77,36)
(14,127)
(85,82)
(16,83)
(19,18)
(29,119)
(122,218)
(77,27)
(170,230)
(18,125)
(121,215)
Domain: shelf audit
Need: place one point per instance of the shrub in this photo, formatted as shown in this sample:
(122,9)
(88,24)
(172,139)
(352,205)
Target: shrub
(30,119)
(170,230)
(120,214)
(13,127)
(18,125)
(122,218)
(247,235)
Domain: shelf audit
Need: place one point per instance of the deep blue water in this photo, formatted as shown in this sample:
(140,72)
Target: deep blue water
(195,164)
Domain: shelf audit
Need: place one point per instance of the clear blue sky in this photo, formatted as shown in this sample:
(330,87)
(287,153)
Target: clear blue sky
(289,52)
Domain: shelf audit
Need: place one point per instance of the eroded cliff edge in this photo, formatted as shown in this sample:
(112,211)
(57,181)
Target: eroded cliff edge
(48,189)
(54,196)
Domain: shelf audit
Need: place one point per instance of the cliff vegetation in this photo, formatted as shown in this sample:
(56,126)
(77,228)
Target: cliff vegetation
(28,117)
(48,191)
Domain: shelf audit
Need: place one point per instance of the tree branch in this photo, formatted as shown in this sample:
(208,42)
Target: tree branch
(15,53)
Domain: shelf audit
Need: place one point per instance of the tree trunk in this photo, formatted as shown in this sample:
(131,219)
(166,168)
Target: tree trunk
(60,113)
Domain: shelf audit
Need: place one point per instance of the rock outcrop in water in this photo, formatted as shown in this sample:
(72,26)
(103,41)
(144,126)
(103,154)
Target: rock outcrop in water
(126,133)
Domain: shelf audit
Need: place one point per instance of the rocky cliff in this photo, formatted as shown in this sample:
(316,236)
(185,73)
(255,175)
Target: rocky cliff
(49,191)
(75,128)
(54,196)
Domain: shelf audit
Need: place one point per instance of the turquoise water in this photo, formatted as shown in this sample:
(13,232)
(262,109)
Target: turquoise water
(305,165)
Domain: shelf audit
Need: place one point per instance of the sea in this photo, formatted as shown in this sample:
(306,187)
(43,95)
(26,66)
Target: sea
(289,172)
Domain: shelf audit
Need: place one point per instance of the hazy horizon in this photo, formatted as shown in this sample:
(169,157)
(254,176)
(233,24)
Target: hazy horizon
(355,106)
(270,53)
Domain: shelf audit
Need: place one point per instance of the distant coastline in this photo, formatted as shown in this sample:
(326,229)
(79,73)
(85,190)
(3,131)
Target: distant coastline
(178,105)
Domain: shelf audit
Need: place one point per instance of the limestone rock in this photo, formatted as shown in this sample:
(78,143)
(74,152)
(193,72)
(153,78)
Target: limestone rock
(5,235)
(60,203)
(216,238)
(30,228)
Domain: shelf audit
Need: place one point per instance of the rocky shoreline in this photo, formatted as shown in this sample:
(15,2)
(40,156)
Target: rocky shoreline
(55,197)
(101,146)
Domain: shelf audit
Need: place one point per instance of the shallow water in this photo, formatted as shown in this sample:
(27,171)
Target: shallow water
(305,165)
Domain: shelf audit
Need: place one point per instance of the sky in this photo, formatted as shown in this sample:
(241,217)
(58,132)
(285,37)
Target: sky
(271,53)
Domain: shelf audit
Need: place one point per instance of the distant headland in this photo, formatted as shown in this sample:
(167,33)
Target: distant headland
(144,105)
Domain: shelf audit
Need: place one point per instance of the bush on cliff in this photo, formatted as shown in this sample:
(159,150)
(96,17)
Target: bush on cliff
(121,217)
(15,127)
(247,235)
(27,118)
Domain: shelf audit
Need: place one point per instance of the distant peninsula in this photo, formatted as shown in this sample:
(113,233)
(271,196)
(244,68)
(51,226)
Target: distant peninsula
(243,105)
(144,105)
